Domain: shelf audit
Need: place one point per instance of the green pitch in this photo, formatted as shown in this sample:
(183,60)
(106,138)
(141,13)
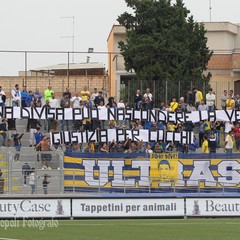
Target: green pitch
(136,229)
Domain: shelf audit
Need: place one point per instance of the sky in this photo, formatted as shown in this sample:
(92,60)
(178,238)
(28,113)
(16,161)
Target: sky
(47,25)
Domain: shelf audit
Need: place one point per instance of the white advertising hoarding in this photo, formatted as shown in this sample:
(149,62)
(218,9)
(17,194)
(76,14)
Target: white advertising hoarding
(213,207)
(34,208)
(126,207)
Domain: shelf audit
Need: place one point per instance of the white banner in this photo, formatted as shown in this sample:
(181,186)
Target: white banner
(212,207)
(126,207)
(108,135)
(35,208)
(120,114)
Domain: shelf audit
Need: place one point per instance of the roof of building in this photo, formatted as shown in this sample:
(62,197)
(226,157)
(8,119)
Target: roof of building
(72,66)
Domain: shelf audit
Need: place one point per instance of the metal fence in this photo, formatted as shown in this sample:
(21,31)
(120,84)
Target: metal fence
(15,181)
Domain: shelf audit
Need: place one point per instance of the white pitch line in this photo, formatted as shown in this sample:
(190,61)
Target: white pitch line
(144,224)
(8,239)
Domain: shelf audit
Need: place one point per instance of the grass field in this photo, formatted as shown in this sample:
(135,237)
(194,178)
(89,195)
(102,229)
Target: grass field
(136,229)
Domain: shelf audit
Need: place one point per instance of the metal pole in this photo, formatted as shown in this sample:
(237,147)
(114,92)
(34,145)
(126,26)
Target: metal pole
(68,70)
(166,95)
(179,90)
(25,69)
(124,184)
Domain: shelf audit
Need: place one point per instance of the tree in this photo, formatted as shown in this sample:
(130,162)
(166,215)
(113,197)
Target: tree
(164,44)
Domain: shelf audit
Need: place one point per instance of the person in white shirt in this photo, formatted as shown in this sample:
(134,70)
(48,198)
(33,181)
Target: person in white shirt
(210,100)
(121,104)
(2,97)
(53,102)
(75,100)
(16,96)
(94,95)
(147,94)
(32,180)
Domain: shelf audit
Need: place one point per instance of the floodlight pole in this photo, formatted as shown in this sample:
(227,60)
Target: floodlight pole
(210,10)
(73,35)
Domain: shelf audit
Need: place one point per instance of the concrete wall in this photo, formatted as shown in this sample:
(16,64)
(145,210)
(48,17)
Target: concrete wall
(59,84)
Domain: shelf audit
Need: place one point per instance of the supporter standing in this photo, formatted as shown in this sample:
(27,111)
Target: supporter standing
(148,95)
(17,143)
(99,99)
(224,98)
(189,97)
(37,98)
(45,183)
(237,101)
(210,100)
(182,104)
(65,103)
(229,143)
(205,144)
(75,101)
(232,94)
(236,132)
(29,98)
(212,143)
(25,173)
(53,102)
(174,104)
(48,93)
(2,97)
(229,102)
(137,98)
(32,180)
(198,97)
(94,95)
(3,131)
(38,135)
(16,96)
(44,146)
(85,94)
(47,121)
(24,95)
(33,124)
(111,102)
(68,92)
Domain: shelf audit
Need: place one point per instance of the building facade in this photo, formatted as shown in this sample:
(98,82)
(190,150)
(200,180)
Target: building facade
(223,40)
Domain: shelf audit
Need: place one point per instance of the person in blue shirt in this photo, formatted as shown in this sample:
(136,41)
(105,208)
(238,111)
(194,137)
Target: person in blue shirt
(37,98)
(38,135)
(29,98)
(24,94)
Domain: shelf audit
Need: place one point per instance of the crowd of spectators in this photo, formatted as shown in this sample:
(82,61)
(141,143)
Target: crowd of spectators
(208,135)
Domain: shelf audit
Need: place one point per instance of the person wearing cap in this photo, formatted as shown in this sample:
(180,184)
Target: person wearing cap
(2,97)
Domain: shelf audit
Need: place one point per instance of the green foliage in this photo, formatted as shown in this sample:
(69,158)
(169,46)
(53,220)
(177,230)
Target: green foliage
(164,43)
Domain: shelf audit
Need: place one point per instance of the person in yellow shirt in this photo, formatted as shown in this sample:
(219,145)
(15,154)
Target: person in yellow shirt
(229,102)
(85,94)
(205,144)
(207,128)
(173,104)
(198,97)
(171,127)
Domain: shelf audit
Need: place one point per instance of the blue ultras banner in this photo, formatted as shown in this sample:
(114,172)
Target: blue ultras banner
(140,172)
